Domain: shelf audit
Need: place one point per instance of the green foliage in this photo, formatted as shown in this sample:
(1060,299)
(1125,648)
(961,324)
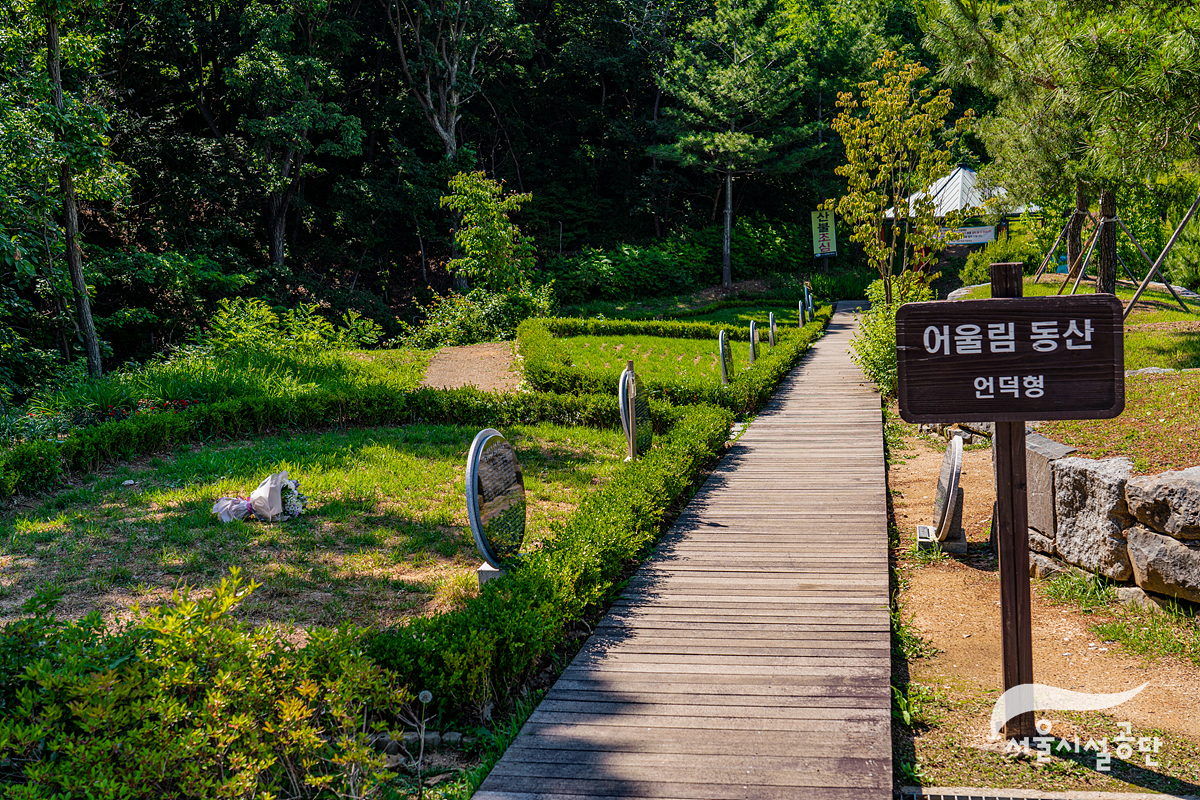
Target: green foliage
(892,155)
(495,254)
(482,651)
(186,701)
(30,466)
(1005,250)
(1088,592)
(735,75)
(873,348)
(250,324)
(480,315)
(547,368)
(365,404)
(625,271)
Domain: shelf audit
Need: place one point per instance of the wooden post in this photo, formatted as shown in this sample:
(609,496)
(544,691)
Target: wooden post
(1012,536)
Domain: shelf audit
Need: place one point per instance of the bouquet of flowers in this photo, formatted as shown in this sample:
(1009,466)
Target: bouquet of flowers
(276,499)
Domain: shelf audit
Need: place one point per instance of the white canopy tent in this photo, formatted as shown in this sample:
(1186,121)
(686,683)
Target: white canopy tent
(958,191)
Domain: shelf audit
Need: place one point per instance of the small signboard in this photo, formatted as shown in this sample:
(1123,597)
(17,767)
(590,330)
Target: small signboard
(976,234)
(753,341)
(1011,359)
(824,233)
(771,333)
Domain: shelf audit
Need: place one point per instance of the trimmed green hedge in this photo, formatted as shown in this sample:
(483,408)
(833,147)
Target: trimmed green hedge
(548,369)
(483,651)
(36,466)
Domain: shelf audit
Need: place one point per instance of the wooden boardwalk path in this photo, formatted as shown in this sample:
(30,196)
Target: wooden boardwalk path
(749,658)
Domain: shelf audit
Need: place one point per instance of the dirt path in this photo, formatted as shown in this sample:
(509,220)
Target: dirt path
(490,366)
(957,603)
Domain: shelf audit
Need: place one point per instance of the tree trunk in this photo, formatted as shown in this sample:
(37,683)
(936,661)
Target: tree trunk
(1075,229)
(66,184)
(1106,247)
(275,217)
(727,242)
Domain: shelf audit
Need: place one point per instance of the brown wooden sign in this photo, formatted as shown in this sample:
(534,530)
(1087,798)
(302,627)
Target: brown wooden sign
(1011,359)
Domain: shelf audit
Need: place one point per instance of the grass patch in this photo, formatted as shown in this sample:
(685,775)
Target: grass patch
(1086,592)
(385,535)
(654,357)
(1175,631)
(1160,429)
(941,754)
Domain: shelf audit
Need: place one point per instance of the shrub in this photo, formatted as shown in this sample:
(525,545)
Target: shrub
(29,467)
(481,652)
(185,701)
(873,348)
(477,316)
(1009,249)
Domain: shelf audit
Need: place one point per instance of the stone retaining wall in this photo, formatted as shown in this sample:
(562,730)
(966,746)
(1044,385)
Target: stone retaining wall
(1094,515)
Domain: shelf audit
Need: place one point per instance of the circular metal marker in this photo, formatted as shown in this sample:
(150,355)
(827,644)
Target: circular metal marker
(623,399)
(947,488)
(495,498)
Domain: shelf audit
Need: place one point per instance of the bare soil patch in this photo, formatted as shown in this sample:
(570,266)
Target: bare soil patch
(956,604)
(490,366)
(718,292)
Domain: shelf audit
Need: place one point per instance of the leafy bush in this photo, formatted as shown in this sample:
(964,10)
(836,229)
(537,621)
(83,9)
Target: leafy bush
(547,368)
(478,316)
(1005,250)
(249,324)
(494,253)
(482,652)
(873,348)
(681,263)
(185,701)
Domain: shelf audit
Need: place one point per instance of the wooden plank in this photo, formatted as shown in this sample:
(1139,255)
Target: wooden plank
(751,655)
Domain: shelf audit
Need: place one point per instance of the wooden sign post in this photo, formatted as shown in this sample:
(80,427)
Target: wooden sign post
(1009,360)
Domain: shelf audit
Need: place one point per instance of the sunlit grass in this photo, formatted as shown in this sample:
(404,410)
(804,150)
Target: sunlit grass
(385,535)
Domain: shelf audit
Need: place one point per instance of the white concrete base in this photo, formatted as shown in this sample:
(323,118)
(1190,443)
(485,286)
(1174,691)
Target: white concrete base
(487,572)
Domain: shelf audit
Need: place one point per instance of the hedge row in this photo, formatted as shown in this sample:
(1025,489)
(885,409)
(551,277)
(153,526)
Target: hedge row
(483,651)
(34,466)
(548,369)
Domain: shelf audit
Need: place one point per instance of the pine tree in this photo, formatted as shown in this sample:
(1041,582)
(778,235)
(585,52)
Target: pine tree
(735,80)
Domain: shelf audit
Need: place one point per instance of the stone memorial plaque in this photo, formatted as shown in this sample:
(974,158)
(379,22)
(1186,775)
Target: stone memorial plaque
(635,413)
(801,323)
(771,333)
(947,489)
(809,302)
(726,356)
(495,498)
(753,341)
(623,400)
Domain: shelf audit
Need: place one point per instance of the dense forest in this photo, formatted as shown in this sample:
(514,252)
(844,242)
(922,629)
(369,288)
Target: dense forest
(297,150)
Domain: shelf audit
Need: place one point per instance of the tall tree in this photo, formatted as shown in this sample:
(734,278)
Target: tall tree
(64,134)
(734,81)
(439,43)
(294,96)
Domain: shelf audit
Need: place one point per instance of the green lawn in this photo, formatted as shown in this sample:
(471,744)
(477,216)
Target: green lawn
(385,535)
(655,357)
(1157,334)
